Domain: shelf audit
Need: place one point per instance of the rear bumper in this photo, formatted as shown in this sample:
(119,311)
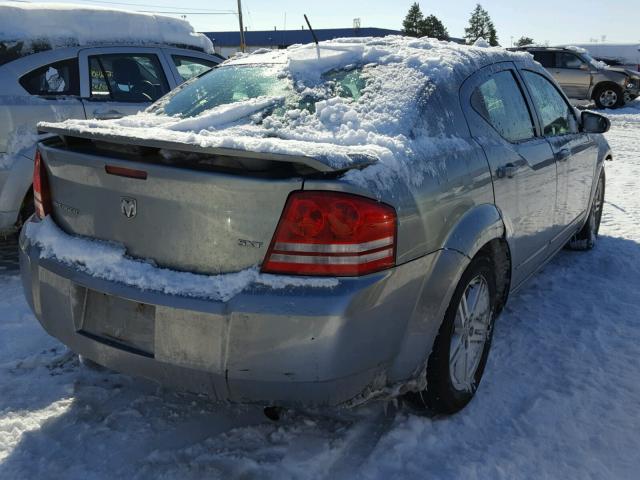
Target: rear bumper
(299,345)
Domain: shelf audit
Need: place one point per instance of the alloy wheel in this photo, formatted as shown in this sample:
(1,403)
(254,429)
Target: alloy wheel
(471,332)
(608,98)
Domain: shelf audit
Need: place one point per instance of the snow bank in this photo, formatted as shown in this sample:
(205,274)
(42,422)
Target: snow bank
(385,121)
(109,261)
(60,24)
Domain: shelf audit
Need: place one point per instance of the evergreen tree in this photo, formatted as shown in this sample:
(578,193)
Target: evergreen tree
(481,26)
(412,23)
(432,27)
(522,41)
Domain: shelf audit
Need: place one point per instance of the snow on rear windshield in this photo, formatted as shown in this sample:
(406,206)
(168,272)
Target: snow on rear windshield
(233,84)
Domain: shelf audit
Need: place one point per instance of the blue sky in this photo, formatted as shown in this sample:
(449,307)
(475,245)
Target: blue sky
(556,21)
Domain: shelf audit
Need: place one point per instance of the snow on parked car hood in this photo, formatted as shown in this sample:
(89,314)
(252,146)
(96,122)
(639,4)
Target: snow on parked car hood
(60,24)
(345,97)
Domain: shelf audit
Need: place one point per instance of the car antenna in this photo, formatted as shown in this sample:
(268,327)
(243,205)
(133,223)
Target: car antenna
(315,39)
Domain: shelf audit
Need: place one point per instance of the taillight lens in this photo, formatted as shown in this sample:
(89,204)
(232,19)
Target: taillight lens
(41,191)
(332,234)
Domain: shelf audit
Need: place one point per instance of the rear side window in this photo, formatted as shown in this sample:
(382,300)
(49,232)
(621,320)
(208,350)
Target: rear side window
(555,113)
(127,78)
(59,78)
(189,67)
(546,59)
(500,102)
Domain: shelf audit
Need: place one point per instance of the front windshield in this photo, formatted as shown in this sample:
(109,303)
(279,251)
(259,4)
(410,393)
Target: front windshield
(237,83)
(592,61)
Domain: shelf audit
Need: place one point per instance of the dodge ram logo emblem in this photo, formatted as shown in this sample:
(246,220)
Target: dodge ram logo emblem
(128,207)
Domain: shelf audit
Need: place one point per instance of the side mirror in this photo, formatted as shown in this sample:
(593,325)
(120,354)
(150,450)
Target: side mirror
(594,122)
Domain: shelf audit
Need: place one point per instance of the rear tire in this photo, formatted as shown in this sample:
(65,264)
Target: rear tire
(587,238)
(608,96)
(461,349)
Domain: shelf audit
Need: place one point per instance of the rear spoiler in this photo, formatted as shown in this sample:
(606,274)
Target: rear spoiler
(358,161)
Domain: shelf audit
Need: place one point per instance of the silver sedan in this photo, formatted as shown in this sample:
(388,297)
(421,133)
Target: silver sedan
(255,265)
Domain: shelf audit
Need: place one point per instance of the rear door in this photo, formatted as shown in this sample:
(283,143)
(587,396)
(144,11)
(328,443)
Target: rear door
(576,153)
(120,81)
(522,163)
(573,73)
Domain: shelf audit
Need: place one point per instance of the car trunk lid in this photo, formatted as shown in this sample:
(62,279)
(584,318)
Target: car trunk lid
(180,215)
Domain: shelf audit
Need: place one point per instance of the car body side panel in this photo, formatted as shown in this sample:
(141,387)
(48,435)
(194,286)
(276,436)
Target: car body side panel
(475,229)
(575,82)
(527,199)
(443,221)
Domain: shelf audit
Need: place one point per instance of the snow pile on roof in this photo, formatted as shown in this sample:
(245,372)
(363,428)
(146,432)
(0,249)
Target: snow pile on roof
(60,24)
(481,43)
(108,261)
(386,121)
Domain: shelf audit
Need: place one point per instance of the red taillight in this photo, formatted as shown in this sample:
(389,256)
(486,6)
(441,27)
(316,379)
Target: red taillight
(333,234)
(41,191)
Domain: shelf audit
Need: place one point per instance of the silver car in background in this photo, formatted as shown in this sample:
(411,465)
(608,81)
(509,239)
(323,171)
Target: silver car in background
(584,78)
(61,83)
(417,271)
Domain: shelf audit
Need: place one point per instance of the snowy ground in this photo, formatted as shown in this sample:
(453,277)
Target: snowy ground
(560,397)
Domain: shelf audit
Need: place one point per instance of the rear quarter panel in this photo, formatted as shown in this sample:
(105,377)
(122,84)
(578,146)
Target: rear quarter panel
(445,211)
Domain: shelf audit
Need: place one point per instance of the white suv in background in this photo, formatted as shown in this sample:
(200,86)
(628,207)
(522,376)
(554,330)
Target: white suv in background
(100,81)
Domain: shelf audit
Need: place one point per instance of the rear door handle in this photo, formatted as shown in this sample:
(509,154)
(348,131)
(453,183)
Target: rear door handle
(507,171)
(563,155)
(107,115)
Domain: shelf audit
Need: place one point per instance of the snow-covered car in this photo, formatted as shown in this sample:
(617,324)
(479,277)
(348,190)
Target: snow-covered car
(323,224)
(54,67)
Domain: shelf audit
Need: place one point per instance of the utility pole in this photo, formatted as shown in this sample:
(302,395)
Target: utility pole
(242,44)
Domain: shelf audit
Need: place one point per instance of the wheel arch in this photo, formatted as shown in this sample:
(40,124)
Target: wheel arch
(480,231)
(604,84)
(475,229)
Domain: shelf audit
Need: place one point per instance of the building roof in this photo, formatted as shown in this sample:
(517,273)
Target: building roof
(290,37)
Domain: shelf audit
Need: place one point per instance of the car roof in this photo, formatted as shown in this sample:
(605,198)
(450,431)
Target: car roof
(28,28)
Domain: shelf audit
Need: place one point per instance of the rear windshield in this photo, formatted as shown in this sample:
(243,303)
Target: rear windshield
(231,84)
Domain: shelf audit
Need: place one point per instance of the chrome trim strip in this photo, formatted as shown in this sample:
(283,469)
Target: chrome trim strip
(333,247)
(319,259)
